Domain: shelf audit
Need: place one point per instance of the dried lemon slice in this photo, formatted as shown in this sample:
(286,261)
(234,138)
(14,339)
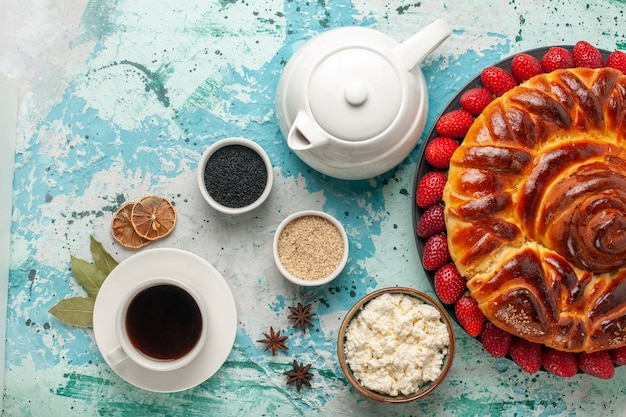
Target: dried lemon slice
(153,217)
(123,230)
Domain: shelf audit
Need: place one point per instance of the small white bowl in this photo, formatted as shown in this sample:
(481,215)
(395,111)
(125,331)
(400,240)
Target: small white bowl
(201,177)
(318,281)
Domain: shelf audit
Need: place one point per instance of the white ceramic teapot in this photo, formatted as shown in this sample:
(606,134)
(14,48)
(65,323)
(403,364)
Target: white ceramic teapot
(352,102)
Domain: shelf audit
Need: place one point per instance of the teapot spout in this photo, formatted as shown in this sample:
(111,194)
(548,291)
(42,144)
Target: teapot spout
(305,134)
(415,49)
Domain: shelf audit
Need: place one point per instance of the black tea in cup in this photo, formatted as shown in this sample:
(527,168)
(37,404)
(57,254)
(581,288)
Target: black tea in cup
(164,322)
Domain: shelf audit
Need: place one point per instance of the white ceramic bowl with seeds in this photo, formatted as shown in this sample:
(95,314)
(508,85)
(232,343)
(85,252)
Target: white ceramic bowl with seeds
(232,182)
(310,248)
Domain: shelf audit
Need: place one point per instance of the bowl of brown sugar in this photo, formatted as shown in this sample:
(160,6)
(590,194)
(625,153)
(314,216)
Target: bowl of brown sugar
(310,248)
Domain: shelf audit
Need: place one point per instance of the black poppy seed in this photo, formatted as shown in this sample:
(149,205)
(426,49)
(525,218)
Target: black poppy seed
(235,176)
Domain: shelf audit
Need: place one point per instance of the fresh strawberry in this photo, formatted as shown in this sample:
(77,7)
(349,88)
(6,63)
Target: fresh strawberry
(598,364)
(618,355)
(617,60)
(557,58)
(497,80)
(524,67)
(430,189)
(439,151)
(495,340)
(527,355)
(454,124)
(475,100)
(431,222)
(469,315)
(559,363)
(449,284)
(436,252)
(587,55)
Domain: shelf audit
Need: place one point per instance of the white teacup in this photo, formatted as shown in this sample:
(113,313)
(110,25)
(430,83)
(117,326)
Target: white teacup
(161,325)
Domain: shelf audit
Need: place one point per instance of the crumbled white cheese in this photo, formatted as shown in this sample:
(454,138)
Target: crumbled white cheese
(395,344)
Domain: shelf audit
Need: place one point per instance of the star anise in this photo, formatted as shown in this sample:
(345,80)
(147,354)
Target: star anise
(274,341)
(300,375)
(301,316)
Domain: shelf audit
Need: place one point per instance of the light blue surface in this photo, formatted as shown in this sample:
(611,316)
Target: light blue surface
(153,84)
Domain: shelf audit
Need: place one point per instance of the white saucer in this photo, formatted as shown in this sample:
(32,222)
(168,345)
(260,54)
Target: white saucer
(195,272)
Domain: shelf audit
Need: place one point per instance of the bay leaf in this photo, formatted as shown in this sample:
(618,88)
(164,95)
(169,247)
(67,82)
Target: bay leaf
(88,275)
(103,259)
(75,311)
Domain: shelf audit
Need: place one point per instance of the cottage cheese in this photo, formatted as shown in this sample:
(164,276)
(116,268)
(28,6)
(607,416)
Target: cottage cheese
(395,344)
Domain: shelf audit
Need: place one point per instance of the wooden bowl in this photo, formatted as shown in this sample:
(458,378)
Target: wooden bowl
(425,388)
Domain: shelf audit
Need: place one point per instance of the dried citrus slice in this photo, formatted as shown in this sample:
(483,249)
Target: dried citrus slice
(153,217)
(123,230)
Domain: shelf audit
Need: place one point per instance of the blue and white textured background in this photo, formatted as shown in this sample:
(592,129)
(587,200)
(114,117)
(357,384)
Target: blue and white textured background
(118,100)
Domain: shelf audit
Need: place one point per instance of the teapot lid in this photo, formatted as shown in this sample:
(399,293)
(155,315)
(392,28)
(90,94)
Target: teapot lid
(355,94)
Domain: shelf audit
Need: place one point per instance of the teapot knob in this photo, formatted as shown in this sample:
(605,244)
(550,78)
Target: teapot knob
(355,93)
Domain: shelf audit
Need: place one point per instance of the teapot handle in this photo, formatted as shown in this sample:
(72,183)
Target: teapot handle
(305,134)
(413,50)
